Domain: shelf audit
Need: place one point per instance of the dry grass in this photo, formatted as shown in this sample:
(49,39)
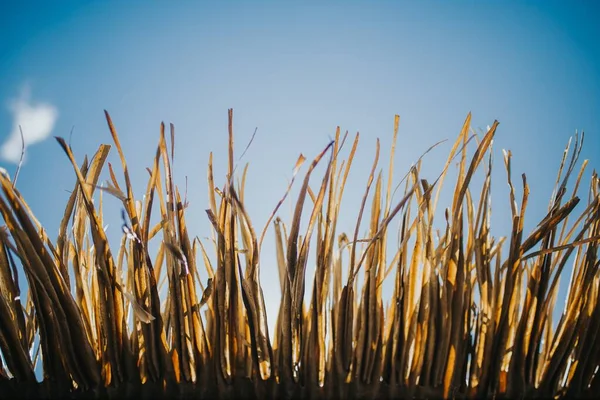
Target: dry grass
(457,323)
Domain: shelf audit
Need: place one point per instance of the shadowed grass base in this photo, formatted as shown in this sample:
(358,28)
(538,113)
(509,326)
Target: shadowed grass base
(245,389)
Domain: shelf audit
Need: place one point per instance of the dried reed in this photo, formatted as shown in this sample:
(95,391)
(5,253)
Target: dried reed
(457,325)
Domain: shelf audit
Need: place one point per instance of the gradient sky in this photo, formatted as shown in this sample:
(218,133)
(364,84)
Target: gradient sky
(296,72)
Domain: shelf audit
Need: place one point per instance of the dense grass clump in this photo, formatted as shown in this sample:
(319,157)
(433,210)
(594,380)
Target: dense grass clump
(465,318)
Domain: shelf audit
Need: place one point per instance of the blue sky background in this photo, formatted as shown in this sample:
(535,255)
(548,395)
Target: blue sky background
(296,72)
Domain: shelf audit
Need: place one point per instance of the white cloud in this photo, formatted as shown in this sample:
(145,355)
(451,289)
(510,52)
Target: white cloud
(36,119)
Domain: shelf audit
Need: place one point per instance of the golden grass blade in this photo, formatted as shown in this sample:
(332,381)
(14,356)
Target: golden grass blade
(61,241)
(109,325)
(280,249)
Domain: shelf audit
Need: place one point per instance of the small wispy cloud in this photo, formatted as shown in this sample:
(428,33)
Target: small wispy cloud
(35,119)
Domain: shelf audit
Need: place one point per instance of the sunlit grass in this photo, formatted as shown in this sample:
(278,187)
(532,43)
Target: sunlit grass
(457,323)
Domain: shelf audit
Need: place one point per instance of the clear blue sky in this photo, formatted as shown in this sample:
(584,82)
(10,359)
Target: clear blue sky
(296,72)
